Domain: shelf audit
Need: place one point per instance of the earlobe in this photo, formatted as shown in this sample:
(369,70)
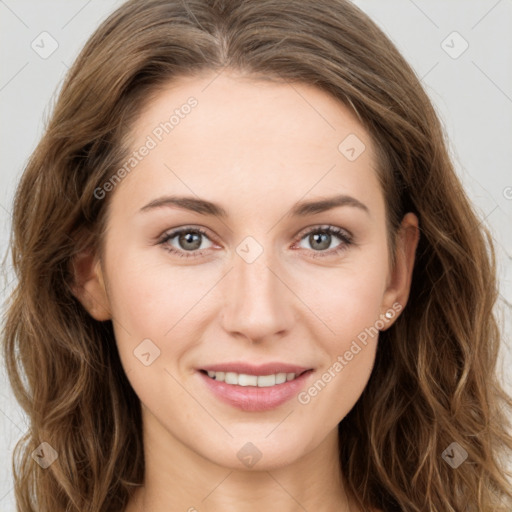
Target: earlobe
(399,285)
(89,286)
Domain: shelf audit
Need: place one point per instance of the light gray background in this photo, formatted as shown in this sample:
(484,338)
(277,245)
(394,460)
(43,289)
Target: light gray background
(472,93)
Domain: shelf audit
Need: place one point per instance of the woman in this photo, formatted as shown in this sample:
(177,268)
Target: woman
(243,259)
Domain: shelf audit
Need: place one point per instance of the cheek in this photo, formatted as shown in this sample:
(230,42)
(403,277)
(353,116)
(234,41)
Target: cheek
(351,312)
(151,297)
(350,301)
(350,308)
(150,300)
(147,303)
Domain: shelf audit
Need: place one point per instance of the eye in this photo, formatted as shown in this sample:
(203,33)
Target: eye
(320,238)
(189,241)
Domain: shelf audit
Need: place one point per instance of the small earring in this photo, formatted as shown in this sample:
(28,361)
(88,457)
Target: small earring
(389,315)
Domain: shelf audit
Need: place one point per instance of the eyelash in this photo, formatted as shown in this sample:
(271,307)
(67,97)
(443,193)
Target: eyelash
(331,230)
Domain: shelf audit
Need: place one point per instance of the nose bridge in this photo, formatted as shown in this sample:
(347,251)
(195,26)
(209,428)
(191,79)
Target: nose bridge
(257,303)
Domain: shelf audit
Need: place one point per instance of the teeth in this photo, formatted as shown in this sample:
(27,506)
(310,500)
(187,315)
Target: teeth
(242,379)
(231,378)
(280,378)
(220,376)
(266,381)
(246,380)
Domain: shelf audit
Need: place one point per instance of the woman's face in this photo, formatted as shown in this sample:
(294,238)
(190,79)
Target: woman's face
(263,296)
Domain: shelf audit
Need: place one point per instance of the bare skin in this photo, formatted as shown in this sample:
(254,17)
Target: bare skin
(256,149)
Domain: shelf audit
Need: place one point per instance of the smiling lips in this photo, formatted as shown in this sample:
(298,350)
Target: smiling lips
(254,387)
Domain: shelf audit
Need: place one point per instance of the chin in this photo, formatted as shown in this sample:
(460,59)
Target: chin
(257,452)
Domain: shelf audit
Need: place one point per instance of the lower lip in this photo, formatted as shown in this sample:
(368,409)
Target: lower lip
(253,398)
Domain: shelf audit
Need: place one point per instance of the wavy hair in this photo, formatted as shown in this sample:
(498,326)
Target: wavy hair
(435,379)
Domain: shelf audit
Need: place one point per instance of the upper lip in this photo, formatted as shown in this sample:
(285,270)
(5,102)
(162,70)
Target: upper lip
(253,369)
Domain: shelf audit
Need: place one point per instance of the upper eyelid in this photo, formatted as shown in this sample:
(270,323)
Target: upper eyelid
(171,233)
(324,227)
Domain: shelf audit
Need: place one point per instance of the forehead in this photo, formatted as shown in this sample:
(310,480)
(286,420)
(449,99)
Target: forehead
(254,137)
(232,106)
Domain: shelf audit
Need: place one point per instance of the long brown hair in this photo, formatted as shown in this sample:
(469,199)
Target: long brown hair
(435,380)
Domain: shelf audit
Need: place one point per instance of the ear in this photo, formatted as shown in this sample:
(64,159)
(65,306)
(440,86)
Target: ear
(89,286)
(399,282)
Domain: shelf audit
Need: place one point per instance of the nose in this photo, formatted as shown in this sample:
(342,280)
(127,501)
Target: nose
(258,304)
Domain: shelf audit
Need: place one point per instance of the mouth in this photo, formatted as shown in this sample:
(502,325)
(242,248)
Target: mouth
(245,379)
(254,388)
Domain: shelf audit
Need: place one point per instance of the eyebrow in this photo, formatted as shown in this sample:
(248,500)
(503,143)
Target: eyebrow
(300,209)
